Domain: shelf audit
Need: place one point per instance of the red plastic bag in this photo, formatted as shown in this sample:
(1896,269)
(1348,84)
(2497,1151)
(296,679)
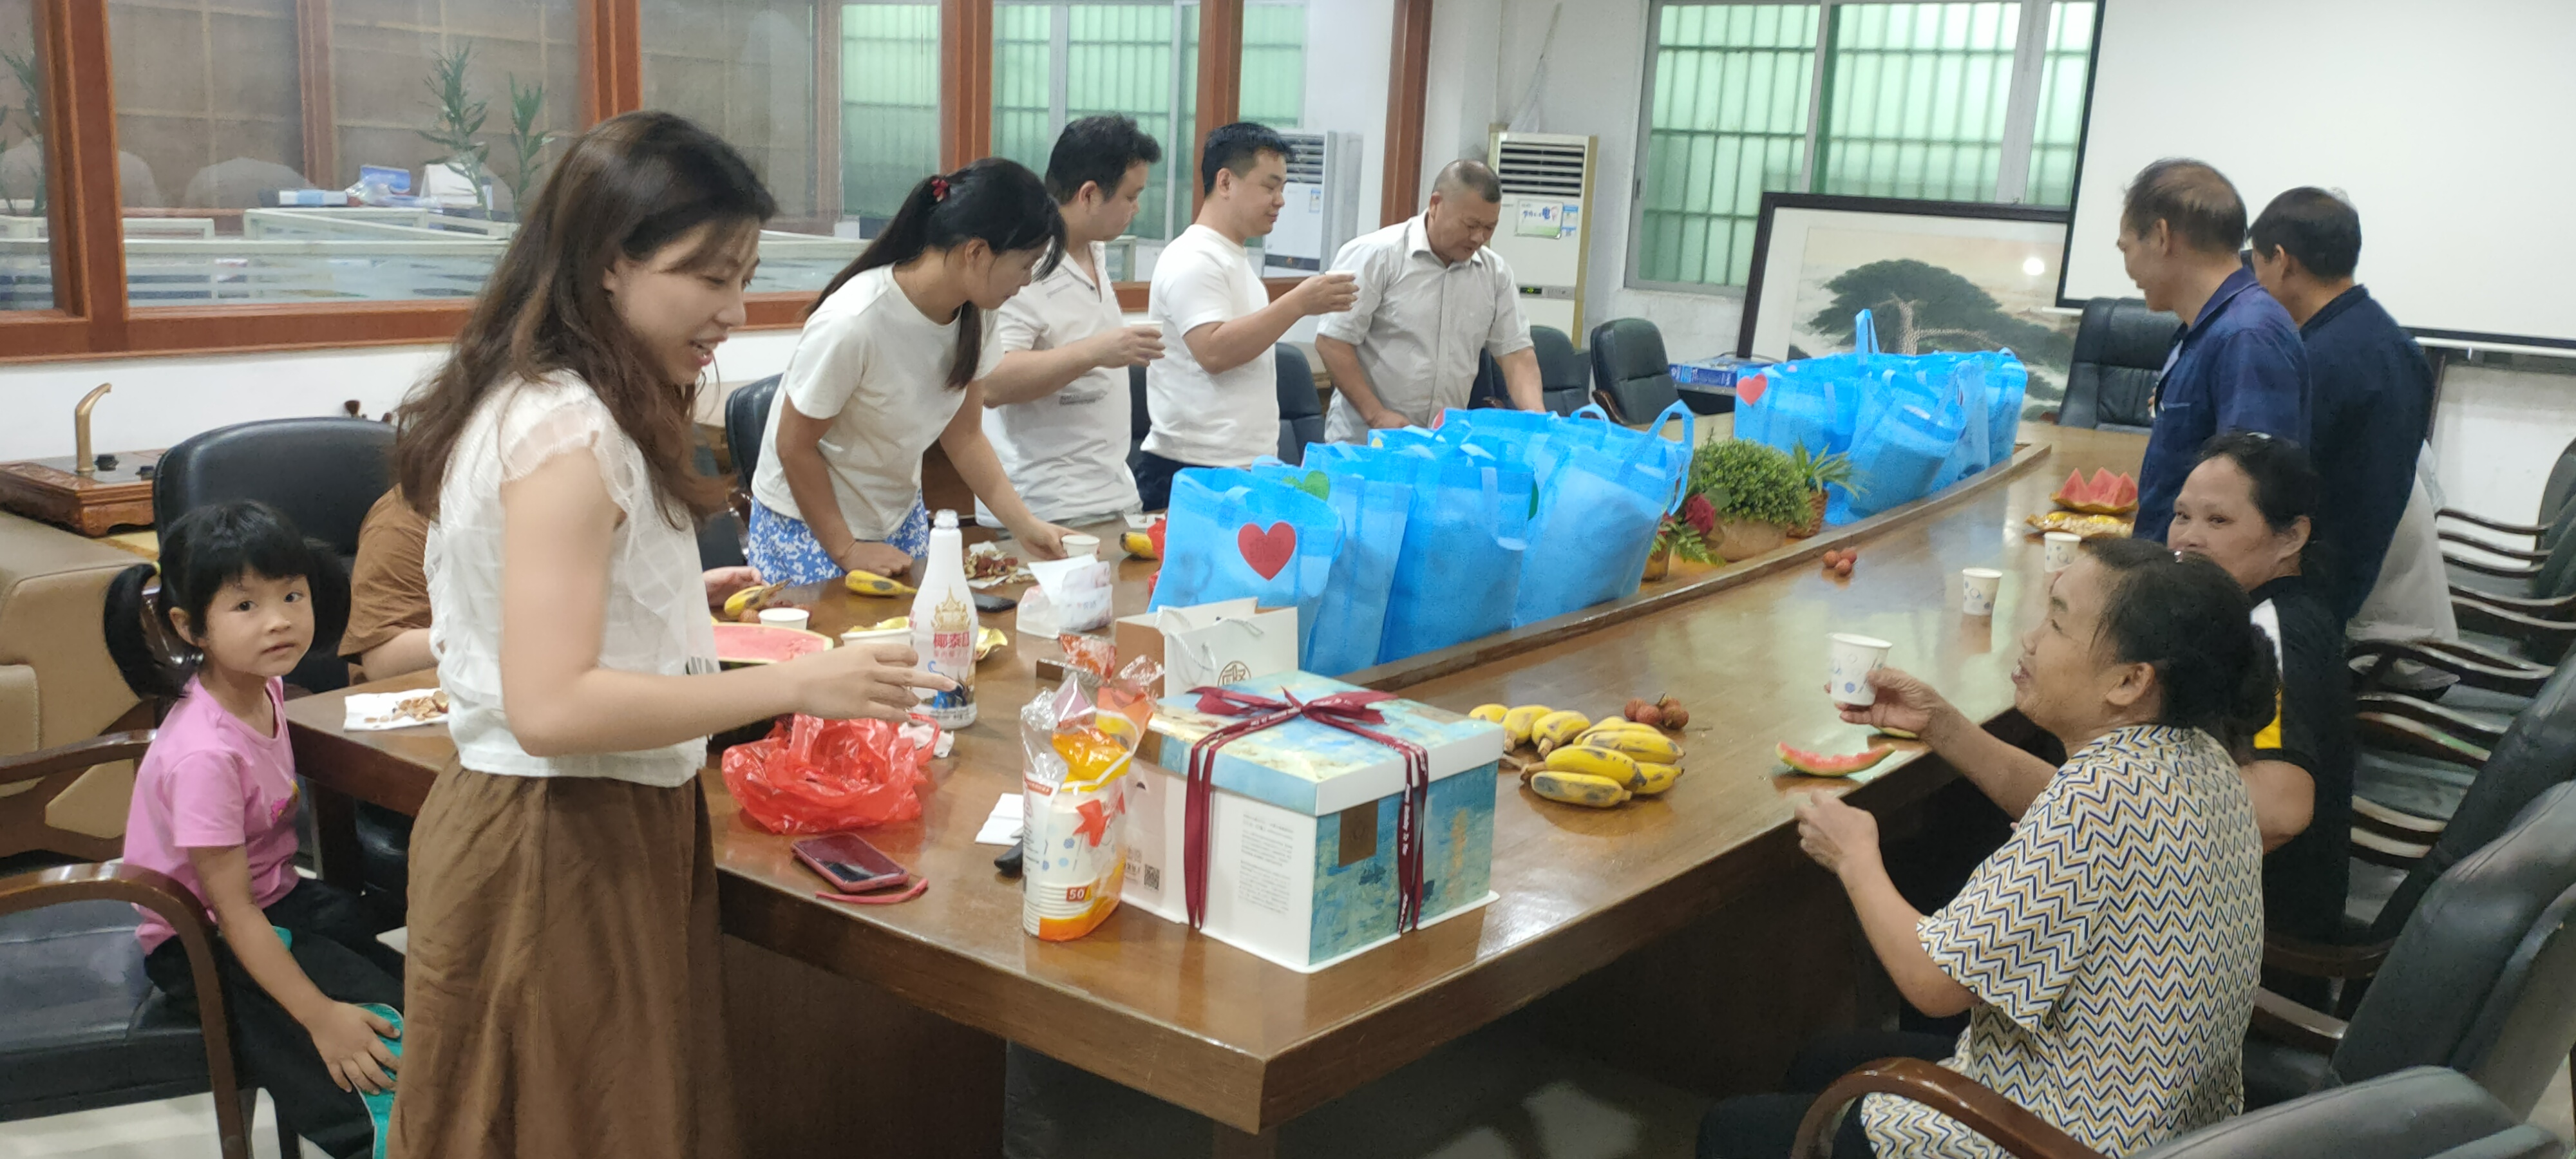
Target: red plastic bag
(828,776)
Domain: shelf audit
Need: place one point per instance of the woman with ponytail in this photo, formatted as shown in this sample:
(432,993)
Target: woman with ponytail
(889,363)
(314,998)
(2122,919)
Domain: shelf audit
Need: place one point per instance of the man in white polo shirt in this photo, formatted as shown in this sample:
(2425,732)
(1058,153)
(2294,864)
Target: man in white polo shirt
(1431,296)
(1214,396)
(1056,405)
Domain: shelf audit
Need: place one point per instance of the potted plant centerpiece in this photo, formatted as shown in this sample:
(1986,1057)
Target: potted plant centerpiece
(1684,536)
(1817,472)
(1755,491)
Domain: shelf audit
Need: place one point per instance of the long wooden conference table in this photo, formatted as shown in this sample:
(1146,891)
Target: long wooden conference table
(1708,947)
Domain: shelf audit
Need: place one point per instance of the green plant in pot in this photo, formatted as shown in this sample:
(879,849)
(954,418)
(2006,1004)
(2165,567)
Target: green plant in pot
(1756,491)
(1817,472)
(1684,535)
(460,120)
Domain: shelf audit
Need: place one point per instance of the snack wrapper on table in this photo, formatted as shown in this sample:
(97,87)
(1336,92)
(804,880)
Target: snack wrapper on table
(1078,759)
(831,776)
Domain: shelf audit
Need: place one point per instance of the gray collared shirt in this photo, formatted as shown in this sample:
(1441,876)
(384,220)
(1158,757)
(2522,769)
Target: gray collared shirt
(1419,323)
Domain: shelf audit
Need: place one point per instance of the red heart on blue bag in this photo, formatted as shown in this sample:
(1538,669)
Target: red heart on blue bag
(1267,551)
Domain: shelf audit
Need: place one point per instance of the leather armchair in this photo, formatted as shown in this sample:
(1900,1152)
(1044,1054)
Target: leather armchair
(81,1027)
(1301,410)
(57,686)
(1630,375)
(2120,348)
(1564,376)
(2483,980)
(1140,417)
(746,422)
(322,472)
(2419,1113)
(2393,822)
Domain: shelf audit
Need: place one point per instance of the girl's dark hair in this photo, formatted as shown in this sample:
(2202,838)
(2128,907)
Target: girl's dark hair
(996,201)
(202,551)
(2185,617)
(627,188)
(2286,485)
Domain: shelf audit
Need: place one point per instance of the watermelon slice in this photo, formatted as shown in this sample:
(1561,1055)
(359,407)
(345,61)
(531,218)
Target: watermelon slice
(2104,494)
(765,643)
(1820,765)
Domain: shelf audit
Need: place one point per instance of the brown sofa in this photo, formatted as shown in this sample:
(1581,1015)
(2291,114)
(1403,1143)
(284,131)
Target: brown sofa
(57,686)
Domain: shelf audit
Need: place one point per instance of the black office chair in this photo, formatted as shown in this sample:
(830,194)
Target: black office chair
(1140,416)
(82,1027)
(1301,410)
(2424,1112)
(1630,375)
(2482,981)
(1564,376)
(323,473)
(746,423)
(1488,390)
(720,536)
(2120,349)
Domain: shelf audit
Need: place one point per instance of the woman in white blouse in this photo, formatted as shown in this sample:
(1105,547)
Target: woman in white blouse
(563,924)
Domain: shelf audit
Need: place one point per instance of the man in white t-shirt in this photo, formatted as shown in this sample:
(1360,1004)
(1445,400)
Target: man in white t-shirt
(1056,406)
(1214,396)
(1431,298)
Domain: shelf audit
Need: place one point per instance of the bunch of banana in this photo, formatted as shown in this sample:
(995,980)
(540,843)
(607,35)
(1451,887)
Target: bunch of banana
(1557,729)
(1140,545)
(1644,742)
(1577,774)
(868,583)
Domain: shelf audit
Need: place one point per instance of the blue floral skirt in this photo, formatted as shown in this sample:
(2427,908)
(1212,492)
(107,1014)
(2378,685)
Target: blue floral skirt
(784,550)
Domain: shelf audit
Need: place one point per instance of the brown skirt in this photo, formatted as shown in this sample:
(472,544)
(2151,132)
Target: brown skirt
(562,997)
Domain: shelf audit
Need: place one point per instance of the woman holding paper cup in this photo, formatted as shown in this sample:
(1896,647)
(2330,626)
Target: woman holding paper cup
(2132,864)
(890,362)
(2247,507)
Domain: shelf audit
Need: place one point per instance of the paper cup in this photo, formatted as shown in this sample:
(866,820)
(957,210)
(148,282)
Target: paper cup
(1850,660)
(795,618)
(867,639)
(2059,550)
(1080,546)
(1977,587)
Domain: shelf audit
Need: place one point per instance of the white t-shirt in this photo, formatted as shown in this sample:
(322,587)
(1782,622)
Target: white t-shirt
(1066,452)
(655,619)
(1419,323)
(877,366)
(1205,420)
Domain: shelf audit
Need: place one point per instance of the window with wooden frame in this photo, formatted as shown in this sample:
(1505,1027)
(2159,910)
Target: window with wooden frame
(160,160)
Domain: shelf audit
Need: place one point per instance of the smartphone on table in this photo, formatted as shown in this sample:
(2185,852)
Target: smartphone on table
(850,863)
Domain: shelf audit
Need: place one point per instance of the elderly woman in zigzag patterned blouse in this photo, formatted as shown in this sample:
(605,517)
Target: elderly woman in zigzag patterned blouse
(2107,956)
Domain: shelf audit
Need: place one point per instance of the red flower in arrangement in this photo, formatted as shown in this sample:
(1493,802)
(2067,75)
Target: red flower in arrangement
(1700,514)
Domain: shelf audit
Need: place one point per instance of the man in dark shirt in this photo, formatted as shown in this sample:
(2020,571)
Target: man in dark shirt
(2371,400)
(2239,365)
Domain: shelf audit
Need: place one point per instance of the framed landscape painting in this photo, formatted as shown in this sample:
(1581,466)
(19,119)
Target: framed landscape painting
(1934,275)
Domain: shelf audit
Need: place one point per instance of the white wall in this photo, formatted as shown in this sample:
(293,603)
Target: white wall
(2496,436)
(1347,52)
(159,401)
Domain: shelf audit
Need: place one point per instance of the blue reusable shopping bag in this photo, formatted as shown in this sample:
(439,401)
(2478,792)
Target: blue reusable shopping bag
(1231,534)
(2007,385)
(1460,568)
(1350,621)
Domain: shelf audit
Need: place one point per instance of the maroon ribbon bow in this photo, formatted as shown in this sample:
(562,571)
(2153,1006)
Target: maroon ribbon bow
(1347,711)
(939,189)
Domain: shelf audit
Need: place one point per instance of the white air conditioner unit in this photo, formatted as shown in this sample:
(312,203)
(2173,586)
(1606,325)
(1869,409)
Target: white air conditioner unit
(1323,209)
(1547,181)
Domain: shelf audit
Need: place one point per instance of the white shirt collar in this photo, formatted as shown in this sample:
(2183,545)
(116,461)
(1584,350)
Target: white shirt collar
(1417,240)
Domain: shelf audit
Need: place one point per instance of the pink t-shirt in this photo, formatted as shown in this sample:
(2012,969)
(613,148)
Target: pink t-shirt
(211,781)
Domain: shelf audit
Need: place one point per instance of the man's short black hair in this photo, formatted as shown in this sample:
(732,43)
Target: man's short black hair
(1468,176)
(1098,150)
(2195,201)
(2316,227)
(1238,147)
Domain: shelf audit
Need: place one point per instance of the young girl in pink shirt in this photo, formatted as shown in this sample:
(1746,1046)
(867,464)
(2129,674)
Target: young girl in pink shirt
(242,596)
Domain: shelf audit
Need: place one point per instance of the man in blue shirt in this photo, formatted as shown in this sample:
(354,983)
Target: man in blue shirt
(2372,396)
(2239,365)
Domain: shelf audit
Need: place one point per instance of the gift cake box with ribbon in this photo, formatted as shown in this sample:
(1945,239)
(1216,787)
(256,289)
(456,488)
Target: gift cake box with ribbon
(1306,820)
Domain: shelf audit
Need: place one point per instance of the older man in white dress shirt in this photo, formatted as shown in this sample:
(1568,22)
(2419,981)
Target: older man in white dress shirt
(1431,297)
